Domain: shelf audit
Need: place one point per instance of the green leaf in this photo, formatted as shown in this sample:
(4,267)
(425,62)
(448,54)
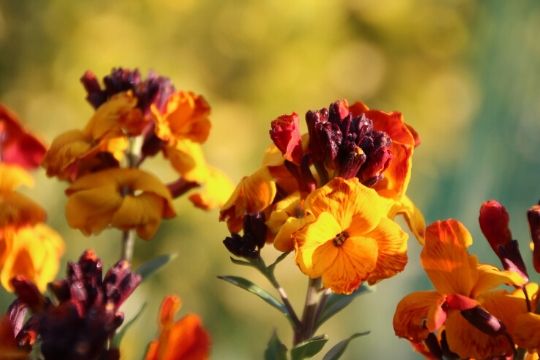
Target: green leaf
(275,350)
(254,289)
(152,266)
(279,259)
(120,335)
(337,302)
(338,349)
(240,262)
(308,348)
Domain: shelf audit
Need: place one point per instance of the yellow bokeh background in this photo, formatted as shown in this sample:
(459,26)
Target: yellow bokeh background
(464,73)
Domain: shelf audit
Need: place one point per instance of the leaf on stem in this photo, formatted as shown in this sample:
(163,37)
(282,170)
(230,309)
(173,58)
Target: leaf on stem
(337,302)
(120,334)
(152,266)
(255,289)
(240,262)
(308,348)
(338,349)
(279,259)
(275,350)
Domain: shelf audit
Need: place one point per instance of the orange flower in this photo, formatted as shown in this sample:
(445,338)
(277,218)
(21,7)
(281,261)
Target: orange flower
(187,158)
(17,146)
(15,208)
(461,285)
(351,240)
(31,251)
(254,193)
(186,117)
(184,339)
(122,198)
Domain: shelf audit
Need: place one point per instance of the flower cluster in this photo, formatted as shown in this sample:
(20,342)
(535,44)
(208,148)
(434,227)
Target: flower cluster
(27,246)
(469,315)
(81,320)
(331,195)
(134,119)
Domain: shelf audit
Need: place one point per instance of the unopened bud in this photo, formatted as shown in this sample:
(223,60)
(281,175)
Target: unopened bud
(533,215)
(494,221)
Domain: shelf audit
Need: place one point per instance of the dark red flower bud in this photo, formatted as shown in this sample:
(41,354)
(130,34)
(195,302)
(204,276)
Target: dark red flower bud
(533,216)
(28,293)
(483,321)
(494,222)
(285,133)
(249,244)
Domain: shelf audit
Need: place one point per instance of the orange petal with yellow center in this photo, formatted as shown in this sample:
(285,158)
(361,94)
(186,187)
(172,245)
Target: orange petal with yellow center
(445,258)
(348,198)
(312,236)
(468,342)
(18,210)
(418,314)
(354,260)
(392,250)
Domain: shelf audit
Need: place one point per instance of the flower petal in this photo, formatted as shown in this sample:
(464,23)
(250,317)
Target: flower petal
(418,314)
(445,258)
(392,250)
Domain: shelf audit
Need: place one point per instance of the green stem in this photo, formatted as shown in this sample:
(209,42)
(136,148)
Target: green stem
(309,316)
(128,242)
(269,275)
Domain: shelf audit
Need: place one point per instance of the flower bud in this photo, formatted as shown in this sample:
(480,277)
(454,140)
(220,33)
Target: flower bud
(533,215)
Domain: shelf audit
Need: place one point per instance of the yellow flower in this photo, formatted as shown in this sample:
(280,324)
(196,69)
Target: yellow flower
(185,339)
(31,251)
(254,193)
(351,240)
(122,198)
(15,208)
(461,284)
(187,159)
(186,117)
(217,188)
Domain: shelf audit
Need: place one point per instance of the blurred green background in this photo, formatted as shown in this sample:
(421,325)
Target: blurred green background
(464,73)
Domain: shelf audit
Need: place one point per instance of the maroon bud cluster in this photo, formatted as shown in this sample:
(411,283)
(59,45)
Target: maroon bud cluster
(348,144)
(84,316)
(154,89)
(249,244)
(533,216)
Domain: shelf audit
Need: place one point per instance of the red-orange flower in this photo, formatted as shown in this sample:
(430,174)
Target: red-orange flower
(185,339)
(463,287)
(17,146)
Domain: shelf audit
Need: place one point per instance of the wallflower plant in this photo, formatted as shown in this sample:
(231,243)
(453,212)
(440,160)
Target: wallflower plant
(134,119)
(330,196)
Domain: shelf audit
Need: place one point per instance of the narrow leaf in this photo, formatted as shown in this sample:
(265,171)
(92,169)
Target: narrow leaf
(120,335)
(337,302)
(254,289)
(275,350)
(338,349)
(309,348)
(240,262)
(152,266)
(279,259)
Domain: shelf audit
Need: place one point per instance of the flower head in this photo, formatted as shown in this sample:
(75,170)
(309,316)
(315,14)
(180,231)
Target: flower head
(351,240)
(184,339)
(122,198)
(85,314)
(465,306)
